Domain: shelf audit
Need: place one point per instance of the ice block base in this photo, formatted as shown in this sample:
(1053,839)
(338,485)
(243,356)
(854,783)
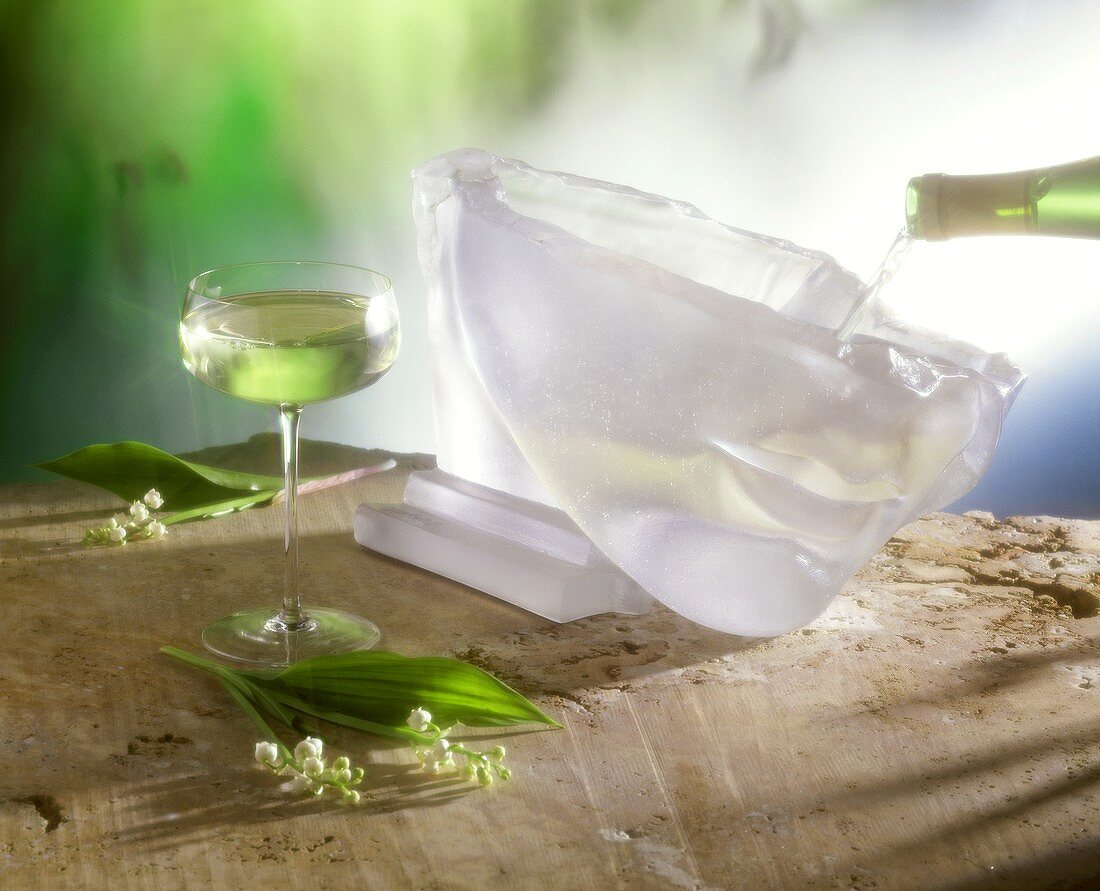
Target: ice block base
(517,550)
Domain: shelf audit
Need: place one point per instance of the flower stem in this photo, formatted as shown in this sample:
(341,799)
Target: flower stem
(257,719)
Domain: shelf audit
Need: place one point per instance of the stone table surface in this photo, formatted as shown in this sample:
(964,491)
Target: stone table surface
(937,728)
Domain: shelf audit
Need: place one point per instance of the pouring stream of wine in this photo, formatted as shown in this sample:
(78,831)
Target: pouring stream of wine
(899,250)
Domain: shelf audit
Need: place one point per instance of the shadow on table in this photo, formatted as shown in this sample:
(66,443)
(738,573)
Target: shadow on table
(91,517)
(188,810)
(997,777)
(49,506)
(1071,867)
(1070,864)
(56,547)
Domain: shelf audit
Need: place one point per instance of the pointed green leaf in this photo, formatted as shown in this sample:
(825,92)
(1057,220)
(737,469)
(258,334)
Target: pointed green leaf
(405,733)
(375,691)
(129,469)
(382,688)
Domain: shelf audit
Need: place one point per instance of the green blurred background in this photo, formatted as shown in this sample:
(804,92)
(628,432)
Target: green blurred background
(148,141)
(144,141)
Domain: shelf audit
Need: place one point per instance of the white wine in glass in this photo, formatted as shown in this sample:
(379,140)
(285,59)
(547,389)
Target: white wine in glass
(288,334)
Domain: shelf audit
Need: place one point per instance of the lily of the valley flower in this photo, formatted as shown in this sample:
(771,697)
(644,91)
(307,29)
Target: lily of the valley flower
(137,523)
(438,757)
(341,769)
(302,783)
(267,753)
(419,719)
(444,755)
(307,771)
(310,747)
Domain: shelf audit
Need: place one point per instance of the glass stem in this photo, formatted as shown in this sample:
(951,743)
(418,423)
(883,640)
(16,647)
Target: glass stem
(291,616)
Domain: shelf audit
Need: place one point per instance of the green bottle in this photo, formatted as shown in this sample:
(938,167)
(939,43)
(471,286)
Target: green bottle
(1063,200)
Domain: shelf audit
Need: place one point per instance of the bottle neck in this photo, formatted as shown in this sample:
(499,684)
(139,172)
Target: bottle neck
(1063,200)
(938,206)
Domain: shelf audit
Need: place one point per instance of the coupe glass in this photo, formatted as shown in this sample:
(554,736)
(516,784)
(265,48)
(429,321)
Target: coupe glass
(288,334)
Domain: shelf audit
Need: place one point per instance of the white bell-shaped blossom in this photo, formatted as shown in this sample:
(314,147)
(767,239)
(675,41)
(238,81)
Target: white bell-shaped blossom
(300,783)
(310,747)
(419,719)
(267,753)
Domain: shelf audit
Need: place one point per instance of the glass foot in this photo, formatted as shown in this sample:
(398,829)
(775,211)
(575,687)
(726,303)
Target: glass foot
(258,637)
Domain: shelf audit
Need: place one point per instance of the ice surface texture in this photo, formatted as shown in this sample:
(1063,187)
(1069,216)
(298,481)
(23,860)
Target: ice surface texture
(677,387)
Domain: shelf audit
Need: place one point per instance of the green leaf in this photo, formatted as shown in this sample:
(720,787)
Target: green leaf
(383,688)
(375,691)
(406,733)
(130,469)
(220,508)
